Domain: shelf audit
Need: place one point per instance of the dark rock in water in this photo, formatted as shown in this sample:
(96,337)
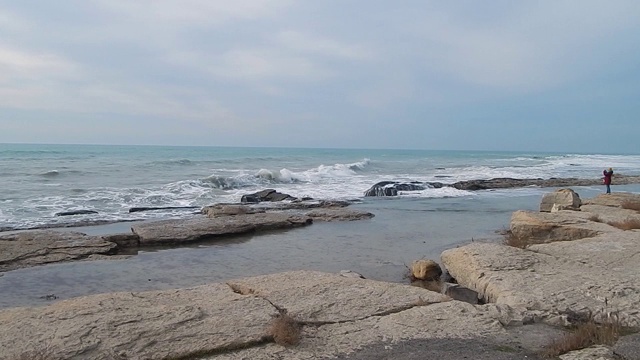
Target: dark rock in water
(76,212)
(250,199)
(143,208)
(391,188)
(49,297)
(265,195)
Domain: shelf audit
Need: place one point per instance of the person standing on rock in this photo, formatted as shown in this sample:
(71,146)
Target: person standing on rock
(607,179)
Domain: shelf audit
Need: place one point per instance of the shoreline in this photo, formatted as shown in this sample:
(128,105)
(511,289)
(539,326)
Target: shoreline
(381,189)
(545,284)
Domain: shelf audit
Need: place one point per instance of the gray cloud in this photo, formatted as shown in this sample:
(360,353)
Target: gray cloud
(332,73)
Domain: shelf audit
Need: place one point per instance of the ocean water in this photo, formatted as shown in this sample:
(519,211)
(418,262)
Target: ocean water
(40,180)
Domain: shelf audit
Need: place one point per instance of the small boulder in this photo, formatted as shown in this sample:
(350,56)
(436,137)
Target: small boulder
(425,270)
(565,199)
(351,274)
(265,195)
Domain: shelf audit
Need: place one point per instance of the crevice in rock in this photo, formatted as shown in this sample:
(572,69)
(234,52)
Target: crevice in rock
(223,350)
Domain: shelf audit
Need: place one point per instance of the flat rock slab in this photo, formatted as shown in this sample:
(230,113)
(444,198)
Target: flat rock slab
(201,228)
(338,214)
(598,275)
(614,199)
(565,225)
(31,248)
(338,314)
(145,325)
(326,298)
(581,265)
(628,347)
(446,324)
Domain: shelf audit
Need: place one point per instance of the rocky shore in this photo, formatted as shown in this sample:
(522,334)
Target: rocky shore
(575,261)
(392,188)
(221,221)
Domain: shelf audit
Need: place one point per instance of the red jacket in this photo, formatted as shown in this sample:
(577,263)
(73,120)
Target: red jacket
(607,177)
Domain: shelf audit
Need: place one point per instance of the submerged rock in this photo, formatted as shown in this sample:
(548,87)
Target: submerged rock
(154,208)
(391,188)
(265,195)
(76,212)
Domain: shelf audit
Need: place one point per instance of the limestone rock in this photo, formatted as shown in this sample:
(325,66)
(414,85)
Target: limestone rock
(597,352)
(145,325)
(228,210)
(203,228)
(461,293)
(425,270)
(549,279)
(338,214)
(614,199)
(541,227)
(338,315)
(351,274)
(563,199)
(31,248)
(123,240)
(628,347)
(318,298)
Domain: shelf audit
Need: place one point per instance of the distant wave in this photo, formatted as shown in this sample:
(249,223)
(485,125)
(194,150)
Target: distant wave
(266,177)
(228,182)
(50,173)
(174,162)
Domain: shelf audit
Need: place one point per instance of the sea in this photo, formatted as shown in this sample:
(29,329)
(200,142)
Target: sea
(38,181)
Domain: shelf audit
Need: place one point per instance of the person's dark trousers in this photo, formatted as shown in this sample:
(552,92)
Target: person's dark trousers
(608,189)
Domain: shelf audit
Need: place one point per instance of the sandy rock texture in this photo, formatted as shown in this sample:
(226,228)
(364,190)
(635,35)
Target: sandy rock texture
(32,248)
(596,272)
(181,231)
(338,315)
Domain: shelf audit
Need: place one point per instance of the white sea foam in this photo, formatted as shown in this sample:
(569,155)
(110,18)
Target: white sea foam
(111,180)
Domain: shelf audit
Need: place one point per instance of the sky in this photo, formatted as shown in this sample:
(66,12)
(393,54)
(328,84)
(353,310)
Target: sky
(443,75)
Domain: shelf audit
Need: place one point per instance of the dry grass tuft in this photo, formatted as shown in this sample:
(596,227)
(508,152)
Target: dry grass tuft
(595,218)
(631,205)
(627,224)
(583,336)
(285,330)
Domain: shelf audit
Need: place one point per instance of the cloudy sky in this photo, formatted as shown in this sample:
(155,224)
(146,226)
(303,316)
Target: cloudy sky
(475,75)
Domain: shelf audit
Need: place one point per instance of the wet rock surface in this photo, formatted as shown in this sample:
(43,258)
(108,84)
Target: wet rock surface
(183,231)
(32,248)
(391,188)
(39,247)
